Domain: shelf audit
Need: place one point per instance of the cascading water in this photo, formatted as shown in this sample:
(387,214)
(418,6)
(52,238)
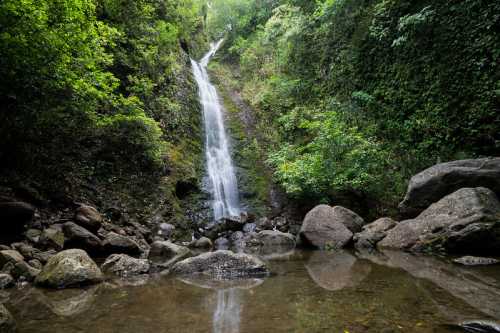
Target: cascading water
(222,177)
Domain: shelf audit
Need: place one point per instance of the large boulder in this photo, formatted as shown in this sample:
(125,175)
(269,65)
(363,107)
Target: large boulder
(88,217)
(7,323)
(221,265)
(467,220)
(163,254)
(373,233)
(270,241)
(69,268)
(80,238)
(442,179)
(116,243)
(323,227)
(124,265)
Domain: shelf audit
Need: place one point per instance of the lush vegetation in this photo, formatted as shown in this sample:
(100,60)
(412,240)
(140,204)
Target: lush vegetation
(96,89)
(359,95)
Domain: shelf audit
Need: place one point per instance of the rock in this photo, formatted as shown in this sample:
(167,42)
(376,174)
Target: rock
(4,247)
(322,228)
(166,230)
(221,243)
(373,233)
(52,237)
(35,263)
(164,254)
(467,220)
(115,243)
(69,268)
(11,256)
(80,238)
(27,251)
(33,235)
(264,224)
(272,241)
(6,281)
(202,243)
(88,217)
(480,326)
(222,226)
(43,257)
(14,215)
(23,269)
(249,227)
(475,261)
(124,265)
(434,183)
(222,265)
(7,323)
(350,219)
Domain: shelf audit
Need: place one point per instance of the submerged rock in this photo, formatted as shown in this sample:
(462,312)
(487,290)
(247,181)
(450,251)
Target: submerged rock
(466,220)
(222,265)
(323,228)
(373,233)
(475,261)
(124,265)
(69,268)
(442,179)
(88,217)
(7,323)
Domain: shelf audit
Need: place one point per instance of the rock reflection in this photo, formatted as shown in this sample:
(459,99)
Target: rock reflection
(479,291)
(336,270)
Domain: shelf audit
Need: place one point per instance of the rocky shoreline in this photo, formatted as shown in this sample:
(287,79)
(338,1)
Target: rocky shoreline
(463,218)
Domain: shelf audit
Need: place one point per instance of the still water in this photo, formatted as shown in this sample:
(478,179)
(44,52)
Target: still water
(308,292)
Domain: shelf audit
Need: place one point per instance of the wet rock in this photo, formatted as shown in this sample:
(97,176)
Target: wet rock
(80,238)
(221,243)
(10,256)
(323,228)
(202,243)
(14,215)
(52,237)
(440,180)
(221,265)
(115,243)
(88,217)
(475,261)
(464,221)
(164,254)
(480,326)
(124,265)
(69,268)
(6,281)
(7,323)
(249,227)
(373,233)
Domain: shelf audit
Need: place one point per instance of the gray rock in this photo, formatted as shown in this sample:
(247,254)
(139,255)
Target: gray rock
(480,326)
(249,227)
(166,230)
(163,254)
(69,268)
(10,256)
(221,265)
(88,217)
(52,237)
(115,243)
(80,238)
(269,241)
(322,228)
(373,233)
(434,183)
(35,263)
(202,243)
(6,281)
(33,235)
(350,219)
(467,220)
(475,261)
(23,270)
(221,243)
(7,323)
(264,224)
(124,265)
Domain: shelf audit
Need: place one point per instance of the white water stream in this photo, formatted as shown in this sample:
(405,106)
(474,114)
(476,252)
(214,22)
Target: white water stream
(220,169)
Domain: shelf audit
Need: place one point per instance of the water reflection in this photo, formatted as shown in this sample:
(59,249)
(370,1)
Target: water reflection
(227,313)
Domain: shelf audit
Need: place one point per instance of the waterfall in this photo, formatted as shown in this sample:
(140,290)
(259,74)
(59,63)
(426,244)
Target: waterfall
(222,177)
